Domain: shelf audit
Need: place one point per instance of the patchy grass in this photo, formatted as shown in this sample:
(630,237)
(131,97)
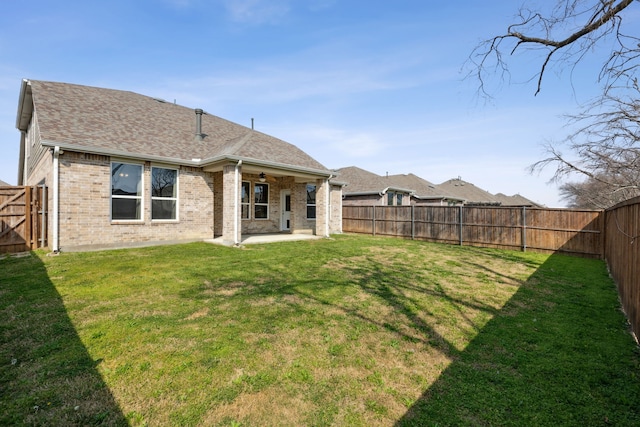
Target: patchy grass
(352,331)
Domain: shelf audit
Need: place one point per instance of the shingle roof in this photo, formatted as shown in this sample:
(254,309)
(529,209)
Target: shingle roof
(360,181)
(469,192)
(116,121)
(4,184)
(515,200)
(423,188)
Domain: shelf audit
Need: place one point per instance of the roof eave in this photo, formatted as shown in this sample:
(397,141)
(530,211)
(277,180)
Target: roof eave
(25,106)
(195,162)
(283,167)
(119,153)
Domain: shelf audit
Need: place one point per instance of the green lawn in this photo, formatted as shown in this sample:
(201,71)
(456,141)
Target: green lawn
(349,331)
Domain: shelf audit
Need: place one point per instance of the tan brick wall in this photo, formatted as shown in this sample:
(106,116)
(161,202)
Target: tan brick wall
(217,203)
(335,220)
(43,171)
(368,200)
(85,216)
(85,196)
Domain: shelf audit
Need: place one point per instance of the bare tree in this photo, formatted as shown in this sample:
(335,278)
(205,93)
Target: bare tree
(563,35)
(605,149)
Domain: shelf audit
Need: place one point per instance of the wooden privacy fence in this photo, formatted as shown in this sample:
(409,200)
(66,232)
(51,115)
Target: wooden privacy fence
(23,218)
(622,252)
(576,232)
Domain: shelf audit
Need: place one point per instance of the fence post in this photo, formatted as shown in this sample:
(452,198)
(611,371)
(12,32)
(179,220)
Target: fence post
(28,219)
(524,229)
(413,225)
(460,220)
(43,216)
(373,229)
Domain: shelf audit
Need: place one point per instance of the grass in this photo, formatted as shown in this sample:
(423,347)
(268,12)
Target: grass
(351,331)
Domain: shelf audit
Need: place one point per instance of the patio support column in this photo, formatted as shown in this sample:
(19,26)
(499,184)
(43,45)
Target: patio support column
(322,207)
(231,210)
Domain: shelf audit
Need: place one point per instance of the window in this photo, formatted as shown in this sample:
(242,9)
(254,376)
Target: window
(164,193)
(245,201)
(399,199)
(261,201)
(126,191)
(390,197)
(311,201)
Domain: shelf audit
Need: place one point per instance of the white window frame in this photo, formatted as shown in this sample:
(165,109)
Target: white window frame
(255,204)
(140,197)
(315,205)
(391,198)
(175,199)
(247,204)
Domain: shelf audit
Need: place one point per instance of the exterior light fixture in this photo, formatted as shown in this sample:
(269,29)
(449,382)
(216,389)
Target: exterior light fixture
(263,177)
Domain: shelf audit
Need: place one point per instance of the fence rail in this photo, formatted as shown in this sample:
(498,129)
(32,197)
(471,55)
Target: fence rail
(576,232)
(622,253)
(23,218)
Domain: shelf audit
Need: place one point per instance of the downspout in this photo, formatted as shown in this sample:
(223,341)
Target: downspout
(56,199)
(236,206)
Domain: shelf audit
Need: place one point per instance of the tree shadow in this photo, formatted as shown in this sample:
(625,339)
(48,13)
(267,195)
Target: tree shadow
(47,376)
(558,353)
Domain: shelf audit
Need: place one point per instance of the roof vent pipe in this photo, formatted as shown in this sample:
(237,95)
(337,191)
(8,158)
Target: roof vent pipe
(199,134)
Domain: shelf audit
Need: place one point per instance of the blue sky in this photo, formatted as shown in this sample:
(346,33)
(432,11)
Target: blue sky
(375,84)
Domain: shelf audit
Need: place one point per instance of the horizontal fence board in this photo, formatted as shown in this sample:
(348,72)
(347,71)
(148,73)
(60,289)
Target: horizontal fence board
(22,219)
(622,253)
(576,232)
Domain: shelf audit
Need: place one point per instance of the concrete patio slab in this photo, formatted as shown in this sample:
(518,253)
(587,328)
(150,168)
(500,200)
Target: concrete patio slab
(252,239)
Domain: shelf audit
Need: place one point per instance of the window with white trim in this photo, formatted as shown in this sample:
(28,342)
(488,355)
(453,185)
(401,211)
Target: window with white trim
(164,194)
(261,201)
(126,191)
(390,198)
(311,201)
(245,199)
(399,199)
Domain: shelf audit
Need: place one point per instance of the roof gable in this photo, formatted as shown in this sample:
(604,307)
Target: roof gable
(122,122)
(469,192)
(359,181)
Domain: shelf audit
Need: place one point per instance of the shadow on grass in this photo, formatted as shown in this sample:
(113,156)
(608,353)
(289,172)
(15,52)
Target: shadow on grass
(47,377)
(558,353)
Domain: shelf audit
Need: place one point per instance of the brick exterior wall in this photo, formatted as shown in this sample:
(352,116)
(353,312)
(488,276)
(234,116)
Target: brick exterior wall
(85,206)
(205,203)
(335,213)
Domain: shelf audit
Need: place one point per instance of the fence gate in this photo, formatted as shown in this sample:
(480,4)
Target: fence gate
(23,218)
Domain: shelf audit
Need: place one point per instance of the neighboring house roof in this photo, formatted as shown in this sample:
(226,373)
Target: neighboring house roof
(4,184)
(466,190)
(423,188)
(123,123)
(516,200)
(362,182)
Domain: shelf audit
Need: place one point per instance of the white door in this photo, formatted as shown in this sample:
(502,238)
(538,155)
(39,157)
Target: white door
(285,216)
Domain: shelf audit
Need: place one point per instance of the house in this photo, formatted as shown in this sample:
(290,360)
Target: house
(516,200)
(367,188)
(127,169)
(364,188)
(424,192)
(3,184)
(472,195)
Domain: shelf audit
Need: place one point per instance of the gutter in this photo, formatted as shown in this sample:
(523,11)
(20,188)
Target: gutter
(193,162)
